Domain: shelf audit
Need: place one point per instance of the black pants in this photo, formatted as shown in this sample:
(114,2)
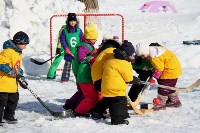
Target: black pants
(136,89)
(117,107)
(8,103)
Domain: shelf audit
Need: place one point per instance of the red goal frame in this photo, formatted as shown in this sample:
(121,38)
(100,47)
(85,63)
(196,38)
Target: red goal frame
(84,15)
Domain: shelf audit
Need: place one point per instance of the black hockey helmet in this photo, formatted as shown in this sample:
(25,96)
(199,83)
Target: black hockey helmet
(21,38)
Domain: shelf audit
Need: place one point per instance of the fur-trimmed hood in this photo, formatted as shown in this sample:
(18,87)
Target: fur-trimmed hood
(9,44)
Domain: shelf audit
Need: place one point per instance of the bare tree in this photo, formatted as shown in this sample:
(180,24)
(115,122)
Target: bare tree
(91,6)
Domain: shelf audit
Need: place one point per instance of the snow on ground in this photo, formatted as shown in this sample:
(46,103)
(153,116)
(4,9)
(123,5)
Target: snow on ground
(34,118)
(168,28)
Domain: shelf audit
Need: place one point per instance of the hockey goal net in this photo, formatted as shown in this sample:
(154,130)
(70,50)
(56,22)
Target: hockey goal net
(113,23)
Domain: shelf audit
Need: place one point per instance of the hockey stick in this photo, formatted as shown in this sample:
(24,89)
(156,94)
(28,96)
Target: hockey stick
(186,89)
(43,62)
(140,95)
(138,100)
(56,114)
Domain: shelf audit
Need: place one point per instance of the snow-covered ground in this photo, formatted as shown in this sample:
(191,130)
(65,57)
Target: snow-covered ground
(32,16)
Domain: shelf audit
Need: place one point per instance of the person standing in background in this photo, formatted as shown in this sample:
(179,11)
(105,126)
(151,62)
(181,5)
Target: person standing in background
(70,38)
(60,52)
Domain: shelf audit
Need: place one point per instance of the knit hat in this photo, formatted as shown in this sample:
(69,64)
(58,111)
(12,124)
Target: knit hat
(107,36)
(142,49)
(128,48)
(21,38)
(116,38)
(91,32)
(71,17)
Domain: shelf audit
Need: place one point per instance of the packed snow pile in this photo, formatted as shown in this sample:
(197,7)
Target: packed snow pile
(33,17)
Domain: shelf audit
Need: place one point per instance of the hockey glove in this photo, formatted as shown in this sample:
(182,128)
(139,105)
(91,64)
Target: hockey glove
(67,51)
(91,60)
(119,54)
(136,81)
(69,57)
(94,52)
(22,82)
(13,73)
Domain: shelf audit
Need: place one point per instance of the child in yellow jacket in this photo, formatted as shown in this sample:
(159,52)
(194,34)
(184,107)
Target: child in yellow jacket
(10,74)
(167,70)
(117,72)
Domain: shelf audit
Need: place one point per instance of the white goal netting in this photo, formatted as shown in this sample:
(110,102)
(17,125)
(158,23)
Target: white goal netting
(112,23)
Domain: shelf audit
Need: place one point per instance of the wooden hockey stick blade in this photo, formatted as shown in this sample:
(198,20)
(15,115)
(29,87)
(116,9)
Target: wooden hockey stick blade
(140,95)
(138,100)
(139,111)
(136,110)
(144,111)
(187,89)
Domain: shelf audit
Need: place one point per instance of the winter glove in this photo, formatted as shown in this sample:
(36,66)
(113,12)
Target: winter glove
(91,60)
(136,81)
(67,51)
(94,52)
(156,75)
(22,82)
(69,57)
(120,54)
(58,51)
(152,80)
(97,85)
(13,73)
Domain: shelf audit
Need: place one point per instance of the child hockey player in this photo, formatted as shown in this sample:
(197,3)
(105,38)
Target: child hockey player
(59,50)
(84,79)
(167,69)
(10,71)
(144,69)
(105,52)
(117,72)
(70,37)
